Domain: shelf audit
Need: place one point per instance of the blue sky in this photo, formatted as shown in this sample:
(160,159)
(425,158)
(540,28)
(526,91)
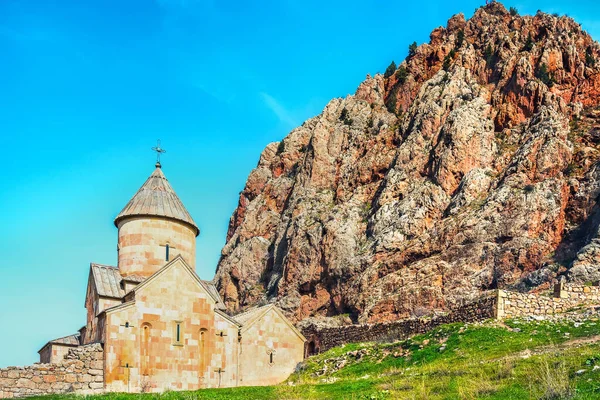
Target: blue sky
(86,88)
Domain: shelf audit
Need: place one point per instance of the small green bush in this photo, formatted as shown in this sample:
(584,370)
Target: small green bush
(344,114)
(345,117)
(590,61)
(514,11)
(460,38)
(390,70)
(448,60)
(488,54)
(544,75)
(281,147)
(412,49)
(528,44)
(402,74)
(391,103)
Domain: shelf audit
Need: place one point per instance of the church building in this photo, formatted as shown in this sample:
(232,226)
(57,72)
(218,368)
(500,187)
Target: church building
(160,325)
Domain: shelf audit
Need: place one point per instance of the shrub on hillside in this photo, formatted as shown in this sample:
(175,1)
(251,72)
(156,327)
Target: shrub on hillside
(390,70)
(402,74)
(488,54)
(544,75)
(412,49)
(528,44)
(460,38)
(590,61)
(448,60)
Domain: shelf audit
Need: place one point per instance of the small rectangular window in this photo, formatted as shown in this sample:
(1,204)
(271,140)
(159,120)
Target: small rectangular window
(167,253)
(177,334)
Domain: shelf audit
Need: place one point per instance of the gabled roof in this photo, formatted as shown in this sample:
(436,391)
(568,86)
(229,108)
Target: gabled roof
(133,278)
(156,197)
(210,285)
(71,340)
(118,307)
(107,280)
(207,286)
(248,318)
(227,317)
(247,315)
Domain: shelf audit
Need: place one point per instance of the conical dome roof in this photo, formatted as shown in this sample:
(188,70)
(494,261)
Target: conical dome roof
(157,198)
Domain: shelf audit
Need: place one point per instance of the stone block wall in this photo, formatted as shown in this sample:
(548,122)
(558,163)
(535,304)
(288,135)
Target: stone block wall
(501,304)
(321,339)
(82,372)
(565,297)
(583,293)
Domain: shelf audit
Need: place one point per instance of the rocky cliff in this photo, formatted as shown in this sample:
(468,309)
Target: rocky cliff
(472,166)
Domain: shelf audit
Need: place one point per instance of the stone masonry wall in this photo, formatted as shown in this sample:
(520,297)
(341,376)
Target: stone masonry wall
(320,339)
(512,304)
(82,371)
(502,304)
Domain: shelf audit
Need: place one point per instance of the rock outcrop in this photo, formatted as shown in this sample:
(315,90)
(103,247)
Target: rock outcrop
(474,166)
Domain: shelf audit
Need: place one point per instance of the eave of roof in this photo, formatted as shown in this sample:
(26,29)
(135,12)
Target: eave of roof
(204,284)
(107,280)
(68,341)
(157,198)
(248,318)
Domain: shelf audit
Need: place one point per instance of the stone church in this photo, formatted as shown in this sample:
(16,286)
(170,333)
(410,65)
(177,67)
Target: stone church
(160,325)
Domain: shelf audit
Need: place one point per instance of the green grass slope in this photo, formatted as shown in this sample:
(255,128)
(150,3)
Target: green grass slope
(491,360)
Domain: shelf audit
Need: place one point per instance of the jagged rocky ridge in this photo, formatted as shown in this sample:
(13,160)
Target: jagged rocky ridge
(474,166)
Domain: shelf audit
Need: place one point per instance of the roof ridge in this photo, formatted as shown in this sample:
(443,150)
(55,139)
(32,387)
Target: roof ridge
(252,310)
(103,265)
(64,337)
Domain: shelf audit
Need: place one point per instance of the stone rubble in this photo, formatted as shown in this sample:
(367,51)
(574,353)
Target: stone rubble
(80,372)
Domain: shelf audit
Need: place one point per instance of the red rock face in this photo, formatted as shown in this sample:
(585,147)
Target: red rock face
(483,176)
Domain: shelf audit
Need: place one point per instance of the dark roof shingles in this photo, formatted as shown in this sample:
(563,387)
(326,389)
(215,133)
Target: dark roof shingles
(107,280)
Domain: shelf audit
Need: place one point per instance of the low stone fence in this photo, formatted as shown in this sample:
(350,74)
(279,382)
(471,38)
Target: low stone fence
(321,339)
(501,304)
(82,371)
(586,294)
(565,297)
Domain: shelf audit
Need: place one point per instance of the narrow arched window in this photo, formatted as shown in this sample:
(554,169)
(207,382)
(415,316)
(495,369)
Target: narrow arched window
(167,252)
(145,349)
(271,358)
(178,334)
(202,350)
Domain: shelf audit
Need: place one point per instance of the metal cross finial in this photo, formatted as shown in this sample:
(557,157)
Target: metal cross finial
(159,150)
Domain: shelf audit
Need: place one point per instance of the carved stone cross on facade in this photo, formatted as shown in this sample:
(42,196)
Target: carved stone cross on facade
(168,251)
(127,368)
(219,371)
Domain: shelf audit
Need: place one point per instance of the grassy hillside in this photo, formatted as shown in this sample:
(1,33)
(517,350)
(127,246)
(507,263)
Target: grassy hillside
(512,360)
